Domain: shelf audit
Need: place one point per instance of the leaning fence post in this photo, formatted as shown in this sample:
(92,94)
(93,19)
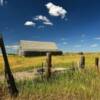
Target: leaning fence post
(82,62)
(8,74)
(97,63)
(49,65)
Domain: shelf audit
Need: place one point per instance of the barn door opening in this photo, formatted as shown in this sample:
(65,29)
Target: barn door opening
(8,74)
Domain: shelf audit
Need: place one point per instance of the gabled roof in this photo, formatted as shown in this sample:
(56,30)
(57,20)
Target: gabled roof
(37,46)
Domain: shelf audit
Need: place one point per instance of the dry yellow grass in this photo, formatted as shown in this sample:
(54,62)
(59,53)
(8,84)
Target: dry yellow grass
(17,62)
(72,85)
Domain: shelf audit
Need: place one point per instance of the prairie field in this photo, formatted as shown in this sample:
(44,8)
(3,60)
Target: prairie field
(70,85)
(18,63)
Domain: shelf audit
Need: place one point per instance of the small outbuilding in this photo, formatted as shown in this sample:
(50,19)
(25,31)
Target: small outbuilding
(37,48)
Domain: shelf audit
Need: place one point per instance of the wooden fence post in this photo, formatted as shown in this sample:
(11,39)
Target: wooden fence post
(82,62)
(49,65)
(97,63)
(8,74)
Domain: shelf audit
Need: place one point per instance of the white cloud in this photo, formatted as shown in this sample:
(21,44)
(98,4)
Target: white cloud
(94,45)
(12,47)
(55,10)
(44,19)
(97,38)
(48,23)
(82,40)
(65,43)
(29,23)
(1,2)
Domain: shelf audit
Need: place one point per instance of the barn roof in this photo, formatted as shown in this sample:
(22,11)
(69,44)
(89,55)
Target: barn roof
(37,46)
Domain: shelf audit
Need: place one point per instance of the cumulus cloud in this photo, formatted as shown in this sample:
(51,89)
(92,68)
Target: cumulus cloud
(44,19)
(82,40)
(29,23)
(94,45)
(48,23)
(97,38)
(12,47)
(65,43)
(55,10)
(1,2)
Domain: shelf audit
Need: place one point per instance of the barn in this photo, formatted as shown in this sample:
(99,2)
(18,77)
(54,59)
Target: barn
(37,48)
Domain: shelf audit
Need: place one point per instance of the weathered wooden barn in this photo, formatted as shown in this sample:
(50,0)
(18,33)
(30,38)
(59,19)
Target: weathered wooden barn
(37,48)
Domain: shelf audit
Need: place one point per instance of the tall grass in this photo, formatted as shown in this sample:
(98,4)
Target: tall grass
(18,63)
(71,85)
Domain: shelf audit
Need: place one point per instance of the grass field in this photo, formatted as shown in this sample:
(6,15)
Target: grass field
(71,85)
(22,63)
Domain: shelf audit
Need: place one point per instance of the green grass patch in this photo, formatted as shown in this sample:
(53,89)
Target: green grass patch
(71,85)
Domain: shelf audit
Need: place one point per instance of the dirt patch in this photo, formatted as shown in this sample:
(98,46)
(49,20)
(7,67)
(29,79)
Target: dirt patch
(31,74)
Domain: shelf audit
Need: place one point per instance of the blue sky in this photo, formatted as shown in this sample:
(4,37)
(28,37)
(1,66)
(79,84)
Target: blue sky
(73,24)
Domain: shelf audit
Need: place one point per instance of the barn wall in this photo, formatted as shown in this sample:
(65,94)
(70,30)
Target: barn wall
(37,53)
